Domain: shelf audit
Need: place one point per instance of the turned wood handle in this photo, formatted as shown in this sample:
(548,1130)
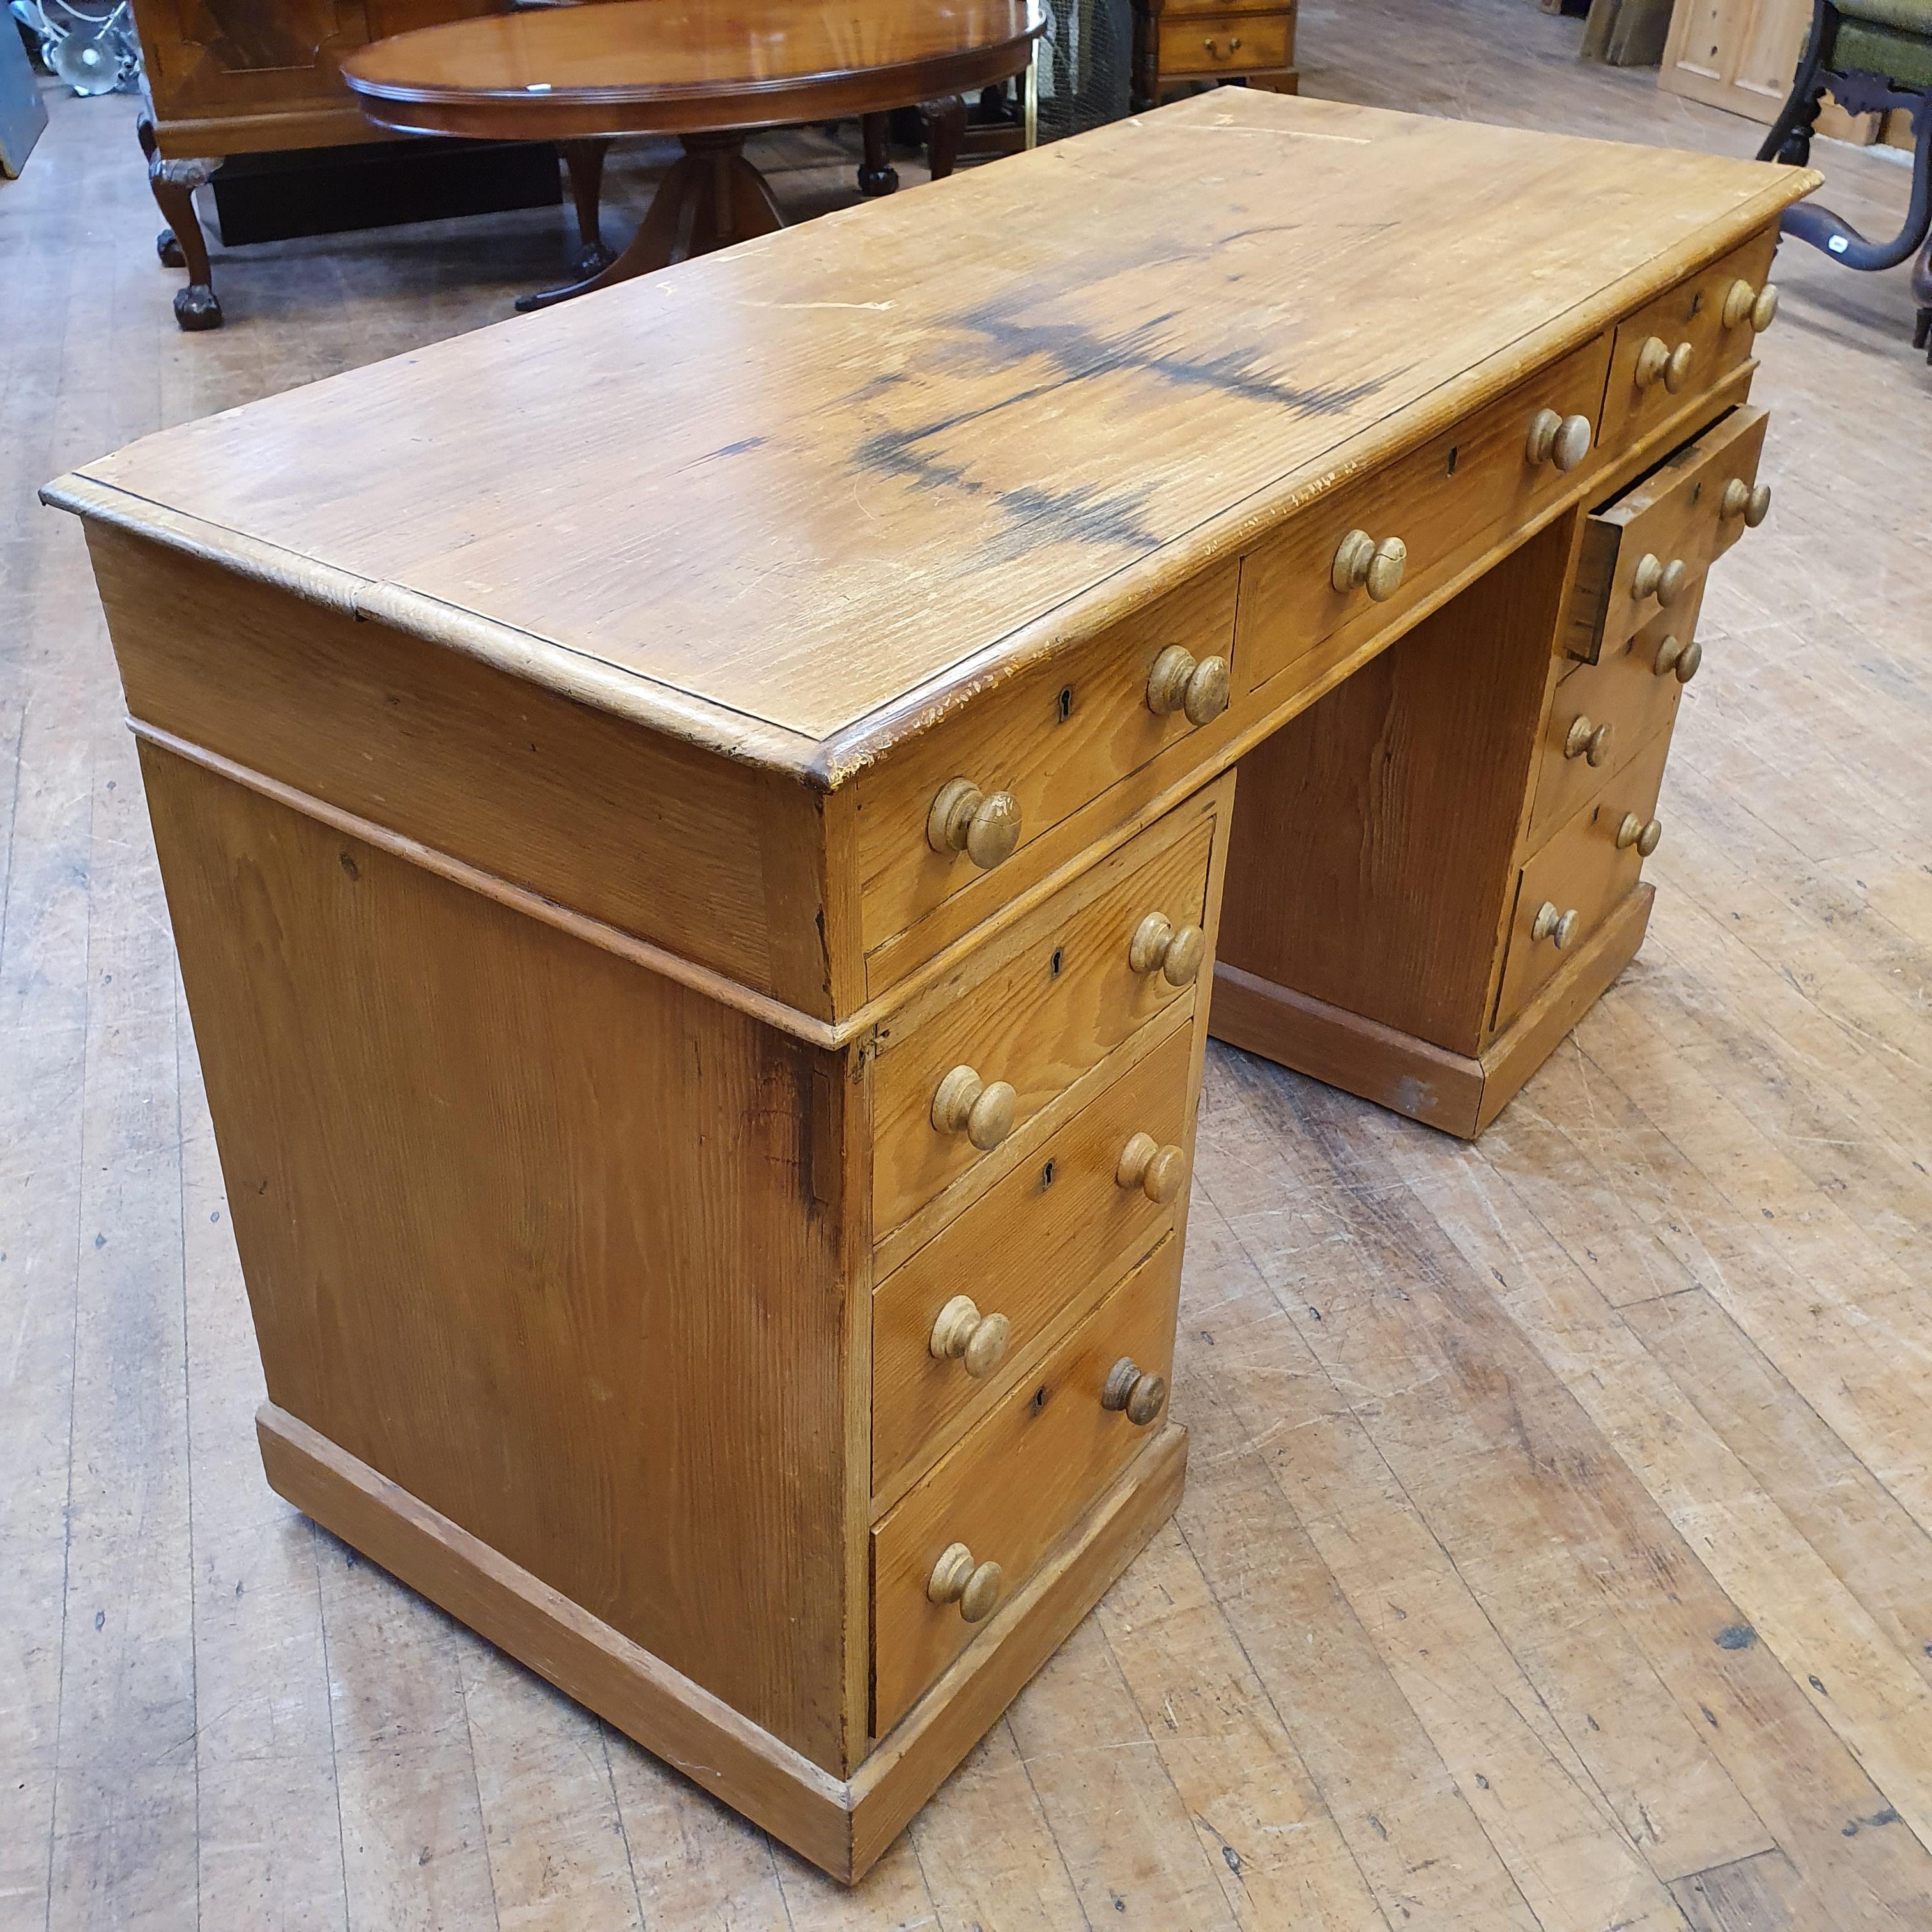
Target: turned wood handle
(1743,499)
(1175,951)
(1653,577)
(1656,359)
(1159,1172)
(1195,687)
(1643,834)
(1673,655)
(985,826)
(1140,1397)
(957,1579)
(964,1104)
(1588,741)
(1362,563)
(1548,923)
(1564,441)
(962,1334)
(1743,303)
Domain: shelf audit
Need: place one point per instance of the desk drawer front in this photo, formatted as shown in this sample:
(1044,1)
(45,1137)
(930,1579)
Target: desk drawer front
(1642,554)
(1457,494)
(1026,1254)
(1568,889)
(1047,1006)
(1687,323)
(1048,741)
(1017,1484)
(1602,714)
(1222,44)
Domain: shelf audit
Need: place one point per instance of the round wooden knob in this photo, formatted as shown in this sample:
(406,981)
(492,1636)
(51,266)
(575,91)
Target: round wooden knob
(1656,359)
(1562,440)
(957,1579)
(1361,563)
(1743,499)
(963,1104)
(985,826)
(1764,311)
(1159,1172)
(963,1334)
(1635,831)
(1197,688)
(1655,578)
(1743,303)
(1586,740)
(1139,1397)
(1176,951)
(1673,655)
(1550,924)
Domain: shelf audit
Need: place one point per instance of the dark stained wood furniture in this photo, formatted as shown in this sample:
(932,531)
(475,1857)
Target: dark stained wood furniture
(1176,41)
(698,877)
(709,71)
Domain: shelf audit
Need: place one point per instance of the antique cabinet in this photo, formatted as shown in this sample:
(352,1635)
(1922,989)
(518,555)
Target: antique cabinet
(1176,41)
(699,878)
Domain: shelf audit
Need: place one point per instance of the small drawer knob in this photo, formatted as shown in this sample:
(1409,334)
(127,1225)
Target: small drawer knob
(1674,654)
(963,1104)
(1139,1397)
(1361,563)
(957,1579)
(1158,1172)
(1175,951)
(1548,923)
(1588,741)
(1642,833)
(984,825)
(1196,687)
(1562,440)
(1653,577)
(1657,360)
(962,1334)
(1750,502)
(1743,303)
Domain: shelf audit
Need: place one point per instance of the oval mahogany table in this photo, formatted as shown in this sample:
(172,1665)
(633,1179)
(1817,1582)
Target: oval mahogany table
(709,71)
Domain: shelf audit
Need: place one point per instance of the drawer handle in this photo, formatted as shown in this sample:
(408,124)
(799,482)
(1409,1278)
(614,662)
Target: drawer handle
(1234,47)
(1141,1397)
(1683,658)
(1635,831)
(1176,950)
(956,1578)
(963,1334)
(985,826)
(1158,1172)
(1741,499)
(1744,303)
(1548,923)
(1197,688)
(1362,563)
(1652,578)
(965,1104)
(1562,440)
(1657,358)
(1588,741)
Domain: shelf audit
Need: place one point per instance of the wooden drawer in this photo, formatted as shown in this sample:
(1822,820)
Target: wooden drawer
(1051,740)
(1223,43)
(1611,708)
(1453,497)
(1582,870)
(1037,1009)
(1017,1484)
(1035,1249)
(1690,314)
(1673,522)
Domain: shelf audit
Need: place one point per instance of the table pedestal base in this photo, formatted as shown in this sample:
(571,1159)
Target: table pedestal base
(711,197)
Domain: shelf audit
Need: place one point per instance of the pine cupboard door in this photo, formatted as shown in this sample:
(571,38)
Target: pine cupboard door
(1739,55)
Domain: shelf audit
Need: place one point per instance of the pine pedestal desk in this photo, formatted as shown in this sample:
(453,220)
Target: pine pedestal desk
(700,826)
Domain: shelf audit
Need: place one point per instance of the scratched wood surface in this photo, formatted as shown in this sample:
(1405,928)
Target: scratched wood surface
(1555,1554)
(807,480)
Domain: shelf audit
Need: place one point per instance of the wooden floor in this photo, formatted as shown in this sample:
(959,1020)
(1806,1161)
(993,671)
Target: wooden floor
(1556,1552)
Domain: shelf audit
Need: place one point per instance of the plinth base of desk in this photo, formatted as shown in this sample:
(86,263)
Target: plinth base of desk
(841,1825)
(1458,1093)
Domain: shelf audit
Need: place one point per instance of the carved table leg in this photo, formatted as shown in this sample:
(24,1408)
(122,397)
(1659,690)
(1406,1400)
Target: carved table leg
(181,243)
(585,160)
(945,123)
(877,175)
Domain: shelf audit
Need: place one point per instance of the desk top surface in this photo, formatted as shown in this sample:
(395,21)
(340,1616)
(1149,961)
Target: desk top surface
(797,498)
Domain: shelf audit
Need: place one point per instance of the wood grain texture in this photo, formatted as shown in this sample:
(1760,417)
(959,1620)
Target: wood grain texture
(918,403)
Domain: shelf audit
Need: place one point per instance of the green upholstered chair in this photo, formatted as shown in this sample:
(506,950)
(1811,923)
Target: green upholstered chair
(1871,55)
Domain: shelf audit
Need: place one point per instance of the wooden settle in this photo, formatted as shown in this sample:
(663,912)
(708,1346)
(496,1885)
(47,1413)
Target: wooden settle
(703,881)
